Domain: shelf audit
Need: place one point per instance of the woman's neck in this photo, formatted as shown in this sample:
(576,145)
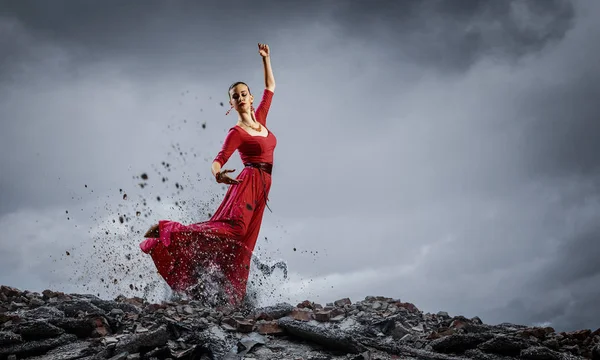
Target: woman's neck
(246,118)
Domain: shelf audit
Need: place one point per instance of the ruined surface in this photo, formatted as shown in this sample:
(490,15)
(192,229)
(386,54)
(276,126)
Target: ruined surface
(54,325)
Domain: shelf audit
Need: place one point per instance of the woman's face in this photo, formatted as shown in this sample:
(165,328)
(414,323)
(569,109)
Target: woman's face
(241,99)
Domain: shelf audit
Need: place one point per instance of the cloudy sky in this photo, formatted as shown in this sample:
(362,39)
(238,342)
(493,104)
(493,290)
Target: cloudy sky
(440,152)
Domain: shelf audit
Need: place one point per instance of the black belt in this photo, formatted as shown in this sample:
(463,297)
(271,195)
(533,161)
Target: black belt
(266,167)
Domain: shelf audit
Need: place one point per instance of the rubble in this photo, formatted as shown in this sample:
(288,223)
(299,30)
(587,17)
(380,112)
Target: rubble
(54,325)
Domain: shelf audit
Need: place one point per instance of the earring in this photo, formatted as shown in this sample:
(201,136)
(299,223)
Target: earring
(228,111)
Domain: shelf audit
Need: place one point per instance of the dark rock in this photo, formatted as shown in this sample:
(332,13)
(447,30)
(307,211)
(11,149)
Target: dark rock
(76,350)
(504,345)
(109,305)
(123,356)
(8,338)
(9,292)
(82,327)
(306,305)
(4,317)
(364,356)
(72,308)
(342,302)
(273,312)
(329,338)
(36,302)
(37,347)
(537,333)
(323,315)
(248,343)
(573,349)
(552,344)
(477,354)
(458,343)
(214,340)
(49,295)
(399,331)
(100,326)
(476,320)
(540,353)
(405,352)
(144,341)
(596,352)
(40,329)
(472,328)
(411,308)
(115,312)
(44,312)
(387,326)
(579,335)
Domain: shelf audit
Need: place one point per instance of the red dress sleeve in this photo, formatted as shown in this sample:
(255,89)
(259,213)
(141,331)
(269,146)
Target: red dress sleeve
(232,141)
(263,108)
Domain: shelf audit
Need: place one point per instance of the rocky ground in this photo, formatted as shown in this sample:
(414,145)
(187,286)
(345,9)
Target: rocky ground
(54,325)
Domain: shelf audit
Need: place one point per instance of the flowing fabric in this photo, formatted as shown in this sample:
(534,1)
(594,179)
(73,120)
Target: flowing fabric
(228,238)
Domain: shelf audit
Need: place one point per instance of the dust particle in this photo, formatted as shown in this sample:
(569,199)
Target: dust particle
(144,176)
(68,253)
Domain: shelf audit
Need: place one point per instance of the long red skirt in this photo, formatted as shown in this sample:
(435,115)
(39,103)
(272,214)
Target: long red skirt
(227,240)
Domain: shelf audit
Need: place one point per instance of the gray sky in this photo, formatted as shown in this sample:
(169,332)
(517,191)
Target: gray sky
(439,152)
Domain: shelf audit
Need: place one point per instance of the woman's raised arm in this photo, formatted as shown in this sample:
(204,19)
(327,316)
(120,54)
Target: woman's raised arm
(265,52)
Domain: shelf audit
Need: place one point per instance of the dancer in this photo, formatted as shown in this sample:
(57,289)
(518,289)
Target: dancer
(226,241)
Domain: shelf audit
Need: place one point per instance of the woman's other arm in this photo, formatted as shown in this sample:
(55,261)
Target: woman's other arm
(231,143)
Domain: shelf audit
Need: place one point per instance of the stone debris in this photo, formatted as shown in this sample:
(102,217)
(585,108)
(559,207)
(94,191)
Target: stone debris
(54,325)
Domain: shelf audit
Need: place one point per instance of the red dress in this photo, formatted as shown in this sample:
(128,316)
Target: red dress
(227,239)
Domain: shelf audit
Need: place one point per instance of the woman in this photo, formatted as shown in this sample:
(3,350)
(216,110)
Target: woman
(227,240)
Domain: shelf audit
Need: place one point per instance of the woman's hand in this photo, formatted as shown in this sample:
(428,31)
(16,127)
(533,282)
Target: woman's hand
(223,178)
(263,50)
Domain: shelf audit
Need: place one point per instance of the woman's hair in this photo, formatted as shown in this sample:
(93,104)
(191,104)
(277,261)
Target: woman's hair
(236,84)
